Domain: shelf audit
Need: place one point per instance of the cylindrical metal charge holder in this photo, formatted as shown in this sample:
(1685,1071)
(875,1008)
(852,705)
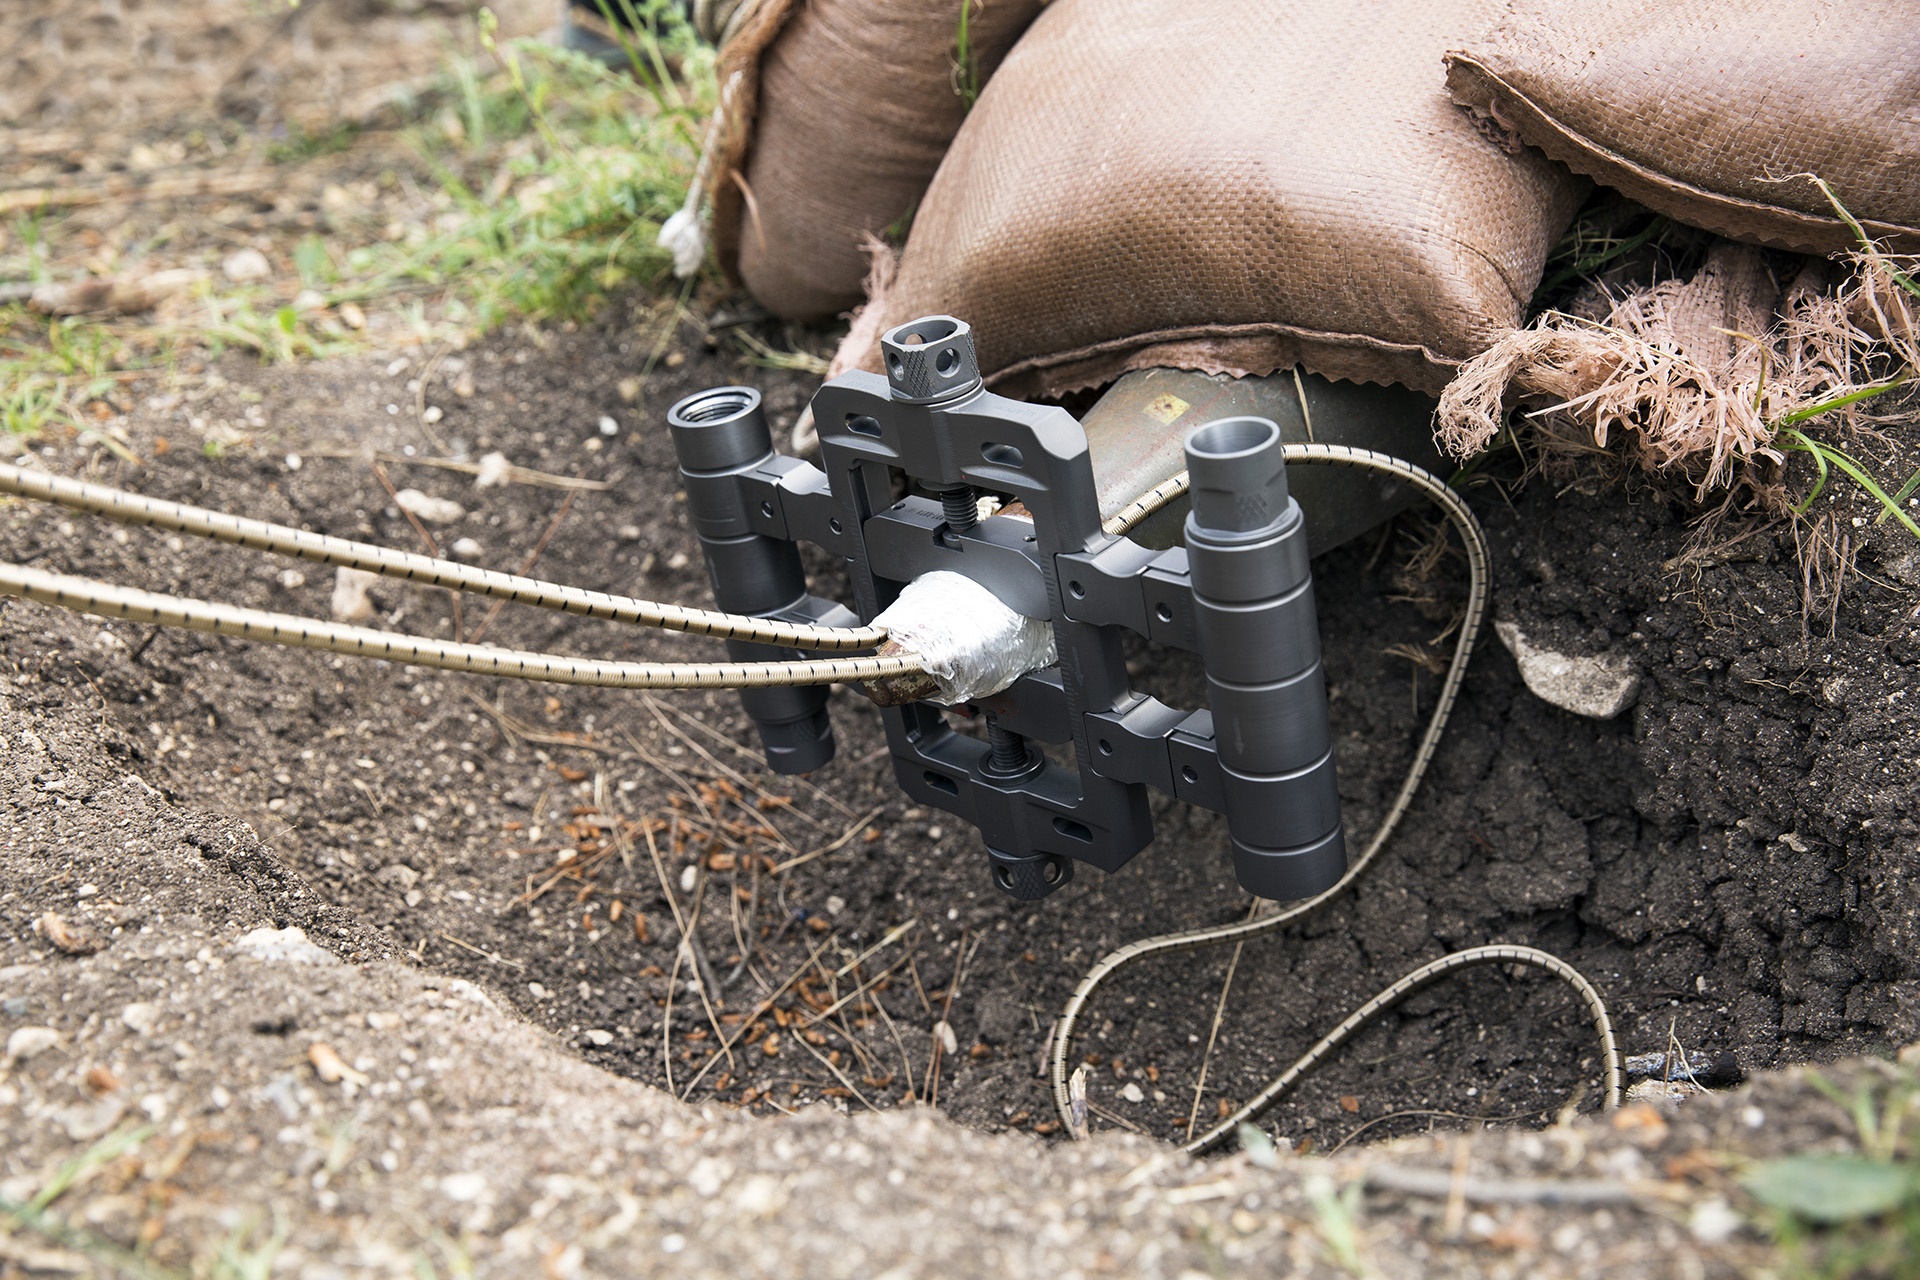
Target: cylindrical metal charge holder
(718,436)
(1260,648)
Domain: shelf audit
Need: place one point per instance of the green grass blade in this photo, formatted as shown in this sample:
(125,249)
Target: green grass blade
(1859,476)
(1819,485)
(1839,402)
(1905,491)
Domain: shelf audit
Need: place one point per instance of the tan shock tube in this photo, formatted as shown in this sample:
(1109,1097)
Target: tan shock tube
(1462,518)
(84,595)
(260,535)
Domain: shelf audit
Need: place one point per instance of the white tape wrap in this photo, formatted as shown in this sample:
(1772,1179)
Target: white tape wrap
(967,640)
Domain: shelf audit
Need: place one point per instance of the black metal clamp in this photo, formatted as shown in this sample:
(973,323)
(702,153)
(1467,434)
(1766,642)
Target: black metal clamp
(1239,594)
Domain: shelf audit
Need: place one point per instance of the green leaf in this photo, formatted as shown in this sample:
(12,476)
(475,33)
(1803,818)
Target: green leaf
(1831,1188)
(313,261)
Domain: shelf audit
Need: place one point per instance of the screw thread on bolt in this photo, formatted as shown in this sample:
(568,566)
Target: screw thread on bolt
(1006,751)
(961,506)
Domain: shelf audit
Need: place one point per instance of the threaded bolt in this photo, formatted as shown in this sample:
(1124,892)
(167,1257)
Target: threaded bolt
(1007,754)
(961,506)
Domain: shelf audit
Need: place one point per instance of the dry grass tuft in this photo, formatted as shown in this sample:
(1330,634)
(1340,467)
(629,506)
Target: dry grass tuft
(1701,378)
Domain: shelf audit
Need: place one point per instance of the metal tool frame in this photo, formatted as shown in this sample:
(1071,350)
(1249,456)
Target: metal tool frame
(931,423)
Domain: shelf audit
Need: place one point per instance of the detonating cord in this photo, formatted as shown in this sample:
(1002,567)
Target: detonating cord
(108,601)
(260,535)
(1478,591)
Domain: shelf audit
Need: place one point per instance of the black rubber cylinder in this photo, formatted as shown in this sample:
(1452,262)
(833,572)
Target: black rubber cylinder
(1260,648)
(719,435)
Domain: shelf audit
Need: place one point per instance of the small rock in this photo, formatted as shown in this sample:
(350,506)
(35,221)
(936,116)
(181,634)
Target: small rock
(1903,565)
(430,509)
(292,579)
(608,427)
(141,1017)
(289,945)
(432,414)
(708,1176)
(466,549)
(562,1262)
(1131,1092)
(75,942)
(330,1066)
(123,295)
(86,1121)
(294,462)
(493,471)
(597,1037)
(463,1187)
(30,1042)
(759,1195)
(628,532)
(351,603)
(399,875)
(243,265)
(463,386)
(309,300)
(1596,687)
(948,1040)
(1713,1221)
(629,389)
(352,316)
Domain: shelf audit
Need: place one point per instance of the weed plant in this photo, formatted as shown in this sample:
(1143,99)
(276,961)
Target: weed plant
(535,182)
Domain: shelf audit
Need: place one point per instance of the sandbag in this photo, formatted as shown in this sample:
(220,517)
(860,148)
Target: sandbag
(1705,109)
(839,112)
(1234,187)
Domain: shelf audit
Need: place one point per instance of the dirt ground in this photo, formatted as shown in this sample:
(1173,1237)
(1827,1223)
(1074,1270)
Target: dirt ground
(212,1095)
(1730,860)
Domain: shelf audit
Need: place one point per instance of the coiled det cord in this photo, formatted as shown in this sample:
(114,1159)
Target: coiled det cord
(85,595)
(1462,518)
(260,535)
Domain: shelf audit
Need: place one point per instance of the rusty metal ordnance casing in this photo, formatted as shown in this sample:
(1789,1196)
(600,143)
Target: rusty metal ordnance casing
(1135,431)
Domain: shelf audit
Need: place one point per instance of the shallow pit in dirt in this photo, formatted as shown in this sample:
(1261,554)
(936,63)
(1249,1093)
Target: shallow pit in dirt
(1729,860)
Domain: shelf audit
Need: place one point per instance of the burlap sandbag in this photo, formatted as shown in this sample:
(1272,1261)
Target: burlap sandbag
(1705,109)
(839,112)
(1234,187)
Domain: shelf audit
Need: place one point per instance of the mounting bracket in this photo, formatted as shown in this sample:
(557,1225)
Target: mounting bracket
(1239,594)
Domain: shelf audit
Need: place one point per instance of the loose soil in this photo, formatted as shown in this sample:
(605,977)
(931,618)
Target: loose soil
(1729,861)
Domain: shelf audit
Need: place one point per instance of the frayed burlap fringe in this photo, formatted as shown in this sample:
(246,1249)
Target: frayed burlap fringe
(863,335)
(1681,403)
